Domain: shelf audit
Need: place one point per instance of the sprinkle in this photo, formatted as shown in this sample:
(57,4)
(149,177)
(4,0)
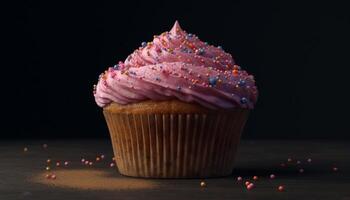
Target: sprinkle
(309,160)
(301,170)
(116,67)
(280,188)
(111,165)
(250,186)
(335,169)
(58,164)
(82,160)
(203,184)
(206,43)
(289,160)
(200,51)
(188,36)
(255,178)
(241,83)
(102,156)
(298,162)
(25,149)
(48,160)
(47,168)
(86,162)
(272,176)
(66,163)
(98,158)
(53,176)
(235,72)
(212,81)
(48,176)
(220,47)
(247,183)
(143,44)
(237,67)
(44,146)
(178,88)
(239,178)
(90,163)
(244,100)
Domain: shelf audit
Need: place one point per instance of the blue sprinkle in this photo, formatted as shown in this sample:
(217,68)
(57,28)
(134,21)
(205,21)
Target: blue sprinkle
(186,50)
(188,36)
(206,43)
(241,83)
(132,72)
(212,81)
(143,44)
(157,79)
(244,100)
(116,67)
(200,51)
(220,47)
(178,88)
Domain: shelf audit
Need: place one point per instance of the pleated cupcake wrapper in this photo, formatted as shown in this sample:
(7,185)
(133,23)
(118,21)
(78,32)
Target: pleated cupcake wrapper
(175,145)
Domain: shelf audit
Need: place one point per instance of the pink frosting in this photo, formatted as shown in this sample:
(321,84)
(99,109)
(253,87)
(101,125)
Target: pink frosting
(177,65)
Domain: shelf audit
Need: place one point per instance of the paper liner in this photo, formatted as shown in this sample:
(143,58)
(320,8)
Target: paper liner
(175,145)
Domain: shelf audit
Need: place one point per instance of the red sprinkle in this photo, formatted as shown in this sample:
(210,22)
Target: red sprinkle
(281,188)
(239,178)
(335,169)
(272,176)
(247,183)
(250,186)
(255,178)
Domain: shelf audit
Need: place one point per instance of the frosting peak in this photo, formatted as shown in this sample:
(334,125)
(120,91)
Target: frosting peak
(176,28)
(178,65)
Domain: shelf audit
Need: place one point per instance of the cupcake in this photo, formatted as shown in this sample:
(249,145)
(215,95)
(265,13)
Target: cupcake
(175,108)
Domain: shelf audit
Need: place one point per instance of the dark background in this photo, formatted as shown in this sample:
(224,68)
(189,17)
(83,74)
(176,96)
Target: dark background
(298,52)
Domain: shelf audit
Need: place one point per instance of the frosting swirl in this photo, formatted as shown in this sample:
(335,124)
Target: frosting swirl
(178,65)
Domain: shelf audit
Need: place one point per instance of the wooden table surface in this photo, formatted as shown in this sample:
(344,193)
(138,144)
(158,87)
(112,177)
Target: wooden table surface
(22,174)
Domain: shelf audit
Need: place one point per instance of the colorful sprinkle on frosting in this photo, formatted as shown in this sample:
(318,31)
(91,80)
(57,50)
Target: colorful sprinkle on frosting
(177,65)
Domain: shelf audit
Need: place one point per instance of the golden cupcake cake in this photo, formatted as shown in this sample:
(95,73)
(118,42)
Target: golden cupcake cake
(176,108)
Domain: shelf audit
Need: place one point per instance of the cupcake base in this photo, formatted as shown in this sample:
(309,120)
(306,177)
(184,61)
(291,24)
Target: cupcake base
(159,140)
